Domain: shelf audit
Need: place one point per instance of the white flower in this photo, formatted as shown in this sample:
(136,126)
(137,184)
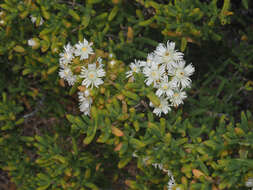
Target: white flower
(92,75)
(154,73)
(99,61)
(165,87)
(85,102)
(150,59)
(135,68)
(162,108)
(1,13)
(85,106)
(83,95)
(2,22)
(67,55)
(157,165)
(66,74)
(178,98)
(83,49)
(112,62)
(181,73)
(168,54)
(171,183)
(249,182)
(32,42)
(34,19)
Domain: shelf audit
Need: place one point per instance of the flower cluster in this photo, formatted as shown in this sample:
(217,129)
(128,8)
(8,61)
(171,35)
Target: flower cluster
(77,58)
(171,183)
(249,183)
(166,71)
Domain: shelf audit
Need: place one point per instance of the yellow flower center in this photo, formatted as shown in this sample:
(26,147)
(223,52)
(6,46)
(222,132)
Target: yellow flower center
(66,72)
(176,94)
(165,87)
(153,74)
(181,73)
(167,53)
(84,49)
(65,55)
(92,75)
(135,69)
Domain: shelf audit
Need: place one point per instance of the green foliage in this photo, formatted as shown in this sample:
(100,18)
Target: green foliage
(46,143)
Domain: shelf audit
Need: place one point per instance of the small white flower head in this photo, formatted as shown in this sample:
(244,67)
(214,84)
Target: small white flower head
(181,74)
(2,22)
(249,182)
(134,154)
(92,75)
(83,49)
(67,74)
(157,166)
(99,61)
(85,102)
(164,107)
(178,98)
(83,95)
(31,42)
(112,62)
(154,73)
(150,59)
(34,19)
(135,68)
(171,183)
(166,87)
(168,54)
(67,55)
(85,106)
(1,13)
(111,55)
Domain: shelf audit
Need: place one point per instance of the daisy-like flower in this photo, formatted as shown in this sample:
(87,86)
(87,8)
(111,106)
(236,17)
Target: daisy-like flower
(135,68)
(168,54)
(150,59)
(92,75)
(67,55)
(85,106)
(166,87)
(154,73)
(2,22)
(83,95)
(171,183)
(181,73)
(67,74)
(83,49)
(84,102)
(164,107)
(178,98)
